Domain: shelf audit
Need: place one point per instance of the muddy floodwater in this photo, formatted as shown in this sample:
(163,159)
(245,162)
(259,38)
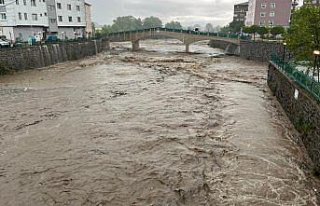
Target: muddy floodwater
(151,128)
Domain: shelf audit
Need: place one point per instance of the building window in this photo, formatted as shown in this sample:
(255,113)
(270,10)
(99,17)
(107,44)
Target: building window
(53,21)
(3,16)
(79,19)
(272,14)
(35,17)
(262,14)
(25,2)
(263,5)
(273,5)
(1,1)
(25,16)
(51,8)
(33,3)
(262,23)
(17,2)
(70,18)
(69,7)
(59,5)
(60,18)
(271,22)
(78,8)
(20,16)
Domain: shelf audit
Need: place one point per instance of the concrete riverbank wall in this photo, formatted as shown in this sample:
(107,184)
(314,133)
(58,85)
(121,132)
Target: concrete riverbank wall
(49,54)
(260,51)
(250,50)
(301,107)
(228,48)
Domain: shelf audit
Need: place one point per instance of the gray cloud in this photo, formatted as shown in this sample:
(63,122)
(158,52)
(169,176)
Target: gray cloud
(188,12)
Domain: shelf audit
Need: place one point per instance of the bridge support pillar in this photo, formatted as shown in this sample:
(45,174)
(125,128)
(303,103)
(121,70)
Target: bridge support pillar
(135,45)
(187,48)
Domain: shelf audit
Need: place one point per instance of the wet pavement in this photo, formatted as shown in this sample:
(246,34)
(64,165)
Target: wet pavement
(156,127)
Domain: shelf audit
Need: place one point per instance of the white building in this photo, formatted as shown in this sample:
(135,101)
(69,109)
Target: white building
(71,18)
(20,19)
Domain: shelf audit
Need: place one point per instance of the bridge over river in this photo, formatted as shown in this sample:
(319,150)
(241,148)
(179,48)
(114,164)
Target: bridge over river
(186,36)
(156,127)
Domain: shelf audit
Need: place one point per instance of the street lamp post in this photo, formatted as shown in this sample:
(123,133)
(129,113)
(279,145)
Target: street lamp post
(284,51)
(316,64)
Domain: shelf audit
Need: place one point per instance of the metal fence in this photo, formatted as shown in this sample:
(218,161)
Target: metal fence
(215,34)
(27,45)
(301,78)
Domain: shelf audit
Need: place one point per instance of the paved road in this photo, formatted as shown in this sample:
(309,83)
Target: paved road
(149,128)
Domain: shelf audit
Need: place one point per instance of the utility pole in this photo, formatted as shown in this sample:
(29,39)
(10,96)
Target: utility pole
(294,6)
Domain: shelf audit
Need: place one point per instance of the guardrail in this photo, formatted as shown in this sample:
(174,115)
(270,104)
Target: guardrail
(304,80)
(214,34)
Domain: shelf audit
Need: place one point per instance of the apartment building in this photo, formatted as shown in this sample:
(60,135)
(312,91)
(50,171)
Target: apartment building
(240,12)
(269,13)
(20,19)
(71,18)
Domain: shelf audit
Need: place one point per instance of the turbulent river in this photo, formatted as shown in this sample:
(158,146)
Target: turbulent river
(152,128)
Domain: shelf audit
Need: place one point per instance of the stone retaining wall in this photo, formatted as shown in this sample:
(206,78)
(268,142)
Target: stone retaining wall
(228,48)
(49,54)
(250,50)
(260,51)
(302,109)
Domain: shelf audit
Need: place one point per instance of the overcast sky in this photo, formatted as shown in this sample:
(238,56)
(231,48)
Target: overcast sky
(188,12)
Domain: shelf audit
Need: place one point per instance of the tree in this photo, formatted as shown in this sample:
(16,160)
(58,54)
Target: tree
(209,27)
(173,25)
(262,31)
(277,30)
(217,29)
(104,31)
(225,29)
(126,23)
(246,30)
(151,22)
(251,30)
(235,26)
(304,34)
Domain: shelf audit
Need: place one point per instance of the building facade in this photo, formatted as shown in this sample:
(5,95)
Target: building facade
(89,23)
(269,13)
(71,19)
(240,12)
(21,19)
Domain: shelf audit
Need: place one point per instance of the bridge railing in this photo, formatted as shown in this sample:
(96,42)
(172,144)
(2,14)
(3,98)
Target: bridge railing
(304,80)
(158,29)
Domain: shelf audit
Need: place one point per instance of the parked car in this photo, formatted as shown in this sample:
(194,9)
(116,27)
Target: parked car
(4,43)
(52,39)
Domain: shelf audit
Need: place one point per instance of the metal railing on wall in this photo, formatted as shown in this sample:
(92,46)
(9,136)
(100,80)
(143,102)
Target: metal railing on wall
(211,34)
(27,45)
(303,79)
